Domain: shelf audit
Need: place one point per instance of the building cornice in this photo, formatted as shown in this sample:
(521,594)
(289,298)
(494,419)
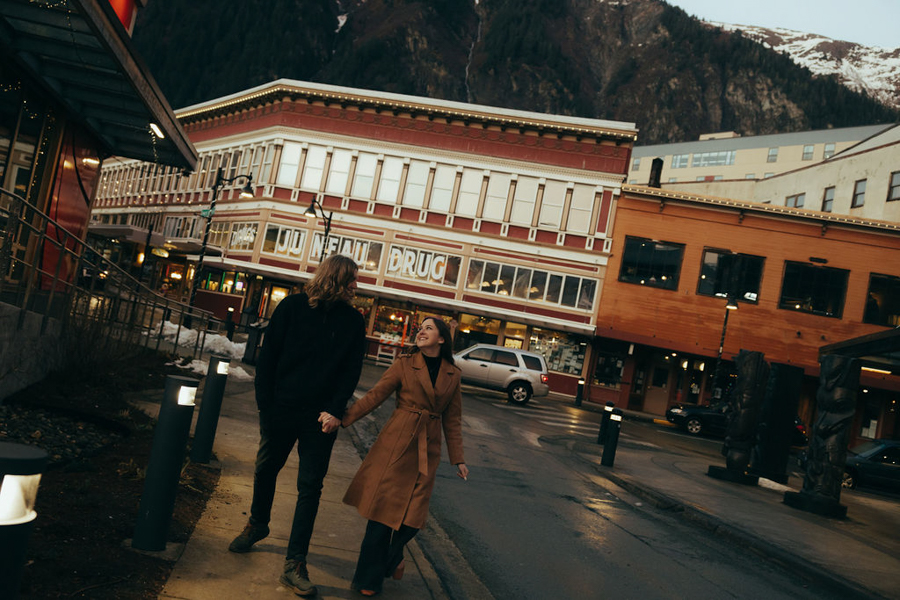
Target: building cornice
(825,219)
(396,104)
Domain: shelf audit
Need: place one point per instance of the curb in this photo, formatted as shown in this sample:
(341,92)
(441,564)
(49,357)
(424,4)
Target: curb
(715,525)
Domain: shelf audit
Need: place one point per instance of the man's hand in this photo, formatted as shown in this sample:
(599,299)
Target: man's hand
(329,422)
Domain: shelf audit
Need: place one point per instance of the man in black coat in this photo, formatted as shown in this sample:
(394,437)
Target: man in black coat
(307,370)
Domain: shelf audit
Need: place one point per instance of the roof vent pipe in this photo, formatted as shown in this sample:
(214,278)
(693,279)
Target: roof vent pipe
(655,172)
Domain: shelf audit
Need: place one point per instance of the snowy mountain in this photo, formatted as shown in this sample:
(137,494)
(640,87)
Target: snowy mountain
(873,70)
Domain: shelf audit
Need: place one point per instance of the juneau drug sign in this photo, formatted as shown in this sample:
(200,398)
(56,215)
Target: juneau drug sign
(423,265)
(366,253)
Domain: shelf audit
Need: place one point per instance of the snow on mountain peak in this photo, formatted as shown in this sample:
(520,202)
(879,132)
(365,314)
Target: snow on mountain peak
(868,69)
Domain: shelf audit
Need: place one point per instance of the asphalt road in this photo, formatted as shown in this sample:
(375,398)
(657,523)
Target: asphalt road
(533,521)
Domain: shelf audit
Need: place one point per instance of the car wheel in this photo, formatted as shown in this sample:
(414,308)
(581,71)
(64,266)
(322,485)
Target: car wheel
(694,426)
(519,392)
(849,480)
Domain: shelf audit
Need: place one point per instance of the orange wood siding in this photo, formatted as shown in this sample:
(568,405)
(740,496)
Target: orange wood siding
(683,321)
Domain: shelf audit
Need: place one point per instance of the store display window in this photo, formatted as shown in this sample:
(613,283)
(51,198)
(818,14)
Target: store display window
(476,330)
(392,321)
(564,352)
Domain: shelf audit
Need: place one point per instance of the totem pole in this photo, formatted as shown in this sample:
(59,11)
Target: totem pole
(745,403)
(836,405)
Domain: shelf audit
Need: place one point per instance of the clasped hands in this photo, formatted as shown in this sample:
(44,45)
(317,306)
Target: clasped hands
(329,422)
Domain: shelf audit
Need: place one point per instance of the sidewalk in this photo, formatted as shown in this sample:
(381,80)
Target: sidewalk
(859,556)
(207,570)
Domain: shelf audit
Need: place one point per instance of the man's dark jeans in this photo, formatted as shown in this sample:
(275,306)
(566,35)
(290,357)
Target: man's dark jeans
(277,438)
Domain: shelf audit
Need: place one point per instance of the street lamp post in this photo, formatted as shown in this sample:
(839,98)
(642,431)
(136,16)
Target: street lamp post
(221,182)
(326,216)
(730,305)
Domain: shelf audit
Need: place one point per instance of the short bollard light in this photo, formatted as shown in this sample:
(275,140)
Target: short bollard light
(210,407)
(579,393)
(612,438)
(604,422)
(20,474)
(229,324)
(166,458)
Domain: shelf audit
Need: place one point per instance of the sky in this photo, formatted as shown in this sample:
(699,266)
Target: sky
(868,22)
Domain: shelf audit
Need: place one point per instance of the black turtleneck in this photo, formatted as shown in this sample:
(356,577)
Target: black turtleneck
(434,366)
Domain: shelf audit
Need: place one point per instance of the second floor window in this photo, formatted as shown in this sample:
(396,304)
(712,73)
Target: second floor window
(389,186)
(894,189)
(313,169)
(773,155)
(883,301)
(725,274)
(828,199)
(795,201)
(339,172)
(813,289)
(808,152)
(364,176)
(859,194)
(651,262)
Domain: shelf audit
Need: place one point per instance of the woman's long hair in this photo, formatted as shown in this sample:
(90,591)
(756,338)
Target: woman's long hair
(331,281)
(446,351)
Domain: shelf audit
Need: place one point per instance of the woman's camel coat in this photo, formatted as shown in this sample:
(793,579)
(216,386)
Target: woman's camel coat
(393,484)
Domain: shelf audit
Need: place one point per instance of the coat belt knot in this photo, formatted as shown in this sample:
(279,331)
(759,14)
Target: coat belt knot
(421,432)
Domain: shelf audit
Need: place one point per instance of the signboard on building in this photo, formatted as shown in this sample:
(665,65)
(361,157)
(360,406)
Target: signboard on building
(366,253)
(423,265)
(284,241)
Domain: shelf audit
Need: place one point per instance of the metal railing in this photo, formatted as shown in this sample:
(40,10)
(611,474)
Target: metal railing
(49,271)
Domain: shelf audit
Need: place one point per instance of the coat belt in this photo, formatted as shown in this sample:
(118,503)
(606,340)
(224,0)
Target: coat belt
(421,432)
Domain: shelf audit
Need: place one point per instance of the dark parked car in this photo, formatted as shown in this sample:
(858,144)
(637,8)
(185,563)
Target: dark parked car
(875,463)
(713,420)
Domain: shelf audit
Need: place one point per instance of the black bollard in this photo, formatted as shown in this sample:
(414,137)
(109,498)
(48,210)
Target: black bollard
(229,324)
(166,459)
(604,422)
(612,438)
(579,394)
(210,406)
(20,473)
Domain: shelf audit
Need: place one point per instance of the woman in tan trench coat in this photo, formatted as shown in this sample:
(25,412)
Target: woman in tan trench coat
(393,486)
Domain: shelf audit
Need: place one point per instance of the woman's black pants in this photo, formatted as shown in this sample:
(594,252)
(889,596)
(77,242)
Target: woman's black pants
(380,553)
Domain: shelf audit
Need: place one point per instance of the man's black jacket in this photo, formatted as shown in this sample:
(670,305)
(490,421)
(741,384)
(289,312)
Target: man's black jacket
(311,358)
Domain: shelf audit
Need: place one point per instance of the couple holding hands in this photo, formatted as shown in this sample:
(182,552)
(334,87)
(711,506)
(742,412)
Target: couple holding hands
(308,369)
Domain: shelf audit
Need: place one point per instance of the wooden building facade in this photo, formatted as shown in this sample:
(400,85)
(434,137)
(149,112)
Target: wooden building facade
(800,280)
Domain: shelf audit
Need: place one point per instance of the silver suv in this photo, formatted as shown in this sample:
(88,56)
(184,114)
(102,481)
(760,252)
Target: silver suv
(522,374)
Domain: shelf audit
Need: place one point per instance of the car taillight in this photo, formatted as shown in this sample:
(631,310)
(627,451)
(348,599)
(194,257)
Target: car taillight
(544,378)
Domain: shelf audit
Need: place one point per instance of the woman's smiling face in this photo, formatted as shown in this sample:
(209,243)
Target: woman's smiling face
(428,339)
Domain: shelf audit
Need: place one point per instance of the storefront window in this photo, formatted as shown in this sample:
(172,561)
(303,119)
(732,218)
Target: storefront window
(519,282)
(364,305)
(609,369)
(564,352)
(514,335)
(393,322)
(476,330)
(243,236)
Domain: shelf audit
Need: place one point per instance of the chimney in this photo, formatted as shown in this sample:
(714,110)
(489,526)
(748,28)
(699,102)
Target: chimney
(655,172)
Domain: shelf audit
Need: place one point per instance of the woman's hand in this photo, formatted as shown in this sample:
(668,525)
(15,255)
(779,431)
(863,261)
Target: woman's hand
(329,422)
(462,471)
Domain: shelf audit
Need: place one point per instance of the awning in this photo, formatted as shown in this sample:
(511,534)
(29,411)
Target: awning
(80,53)
(127,233)
(875,351)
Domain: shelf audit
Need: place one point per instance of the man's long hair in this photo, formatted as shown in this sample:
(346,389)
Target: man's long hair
(446,352)
(331,281)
